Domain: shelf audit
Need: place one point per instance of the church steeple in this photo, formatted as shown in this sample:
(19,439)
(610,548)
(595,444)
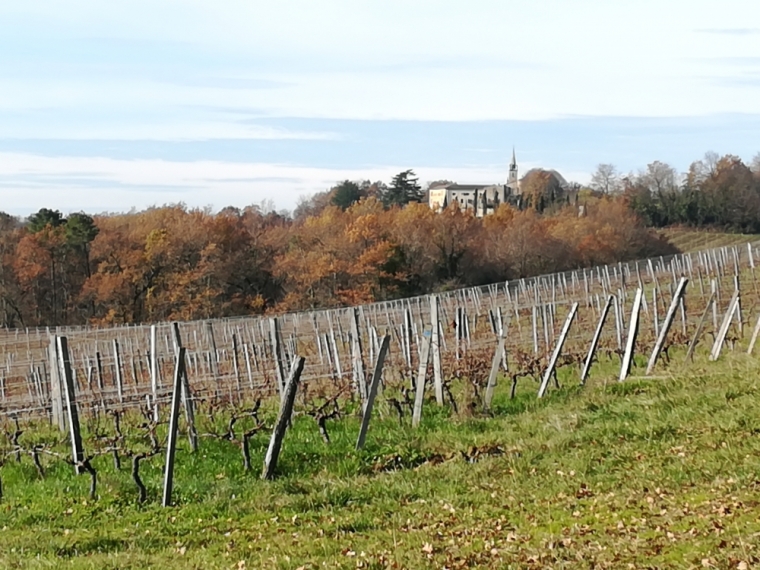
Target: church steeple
(512,181)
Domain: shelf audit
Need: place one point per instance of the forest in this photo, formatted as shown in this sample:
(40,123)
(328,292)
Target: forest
(357,242)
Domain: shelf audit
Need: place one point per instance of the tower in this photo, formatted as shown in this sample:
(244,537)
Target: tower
(512,181)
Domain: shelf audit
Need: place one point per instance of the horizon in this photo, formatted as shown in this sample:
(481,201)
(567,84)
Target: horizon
(107,109)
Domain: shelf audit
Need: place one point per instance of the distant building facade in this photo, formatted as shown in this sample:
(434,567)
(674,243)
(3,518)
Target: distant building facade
(483,199)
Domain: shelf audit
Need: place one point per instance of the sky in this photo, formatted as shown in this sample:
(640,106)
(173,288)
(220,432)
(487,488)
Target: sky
(110,106)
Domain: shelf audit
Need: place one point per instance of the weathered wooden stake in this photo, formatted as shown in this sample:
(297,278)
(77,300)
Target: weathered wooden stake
(700,326)
(595,340)
(154,372)
(375,383)
(357,360)
(64,365)
(675,301)
(283,419)
(754,337)
(435,329)
(630,341)
(721,336)
(498,357)
(247,357)
(56,388)
(235,365)
(117,370)
(421,374)
(171,444)
(274,336)
(557,350)
(187,398)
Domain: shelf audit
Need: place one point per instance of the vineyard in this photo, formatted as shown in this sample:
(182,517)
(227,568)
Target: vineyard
(102,408)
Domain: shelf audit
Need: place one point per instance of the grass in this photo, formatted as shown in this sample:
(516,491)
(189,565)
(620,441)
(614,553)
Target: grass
(656,473)
(689,239)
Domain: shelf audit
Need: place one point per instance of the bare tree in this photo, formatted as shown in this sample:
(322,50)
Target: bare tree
(755,164)
(606,179)
(659,177)
(710,161)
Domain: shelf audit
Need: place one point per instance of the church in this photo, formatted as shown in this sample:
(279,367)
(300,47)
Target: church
(483,199)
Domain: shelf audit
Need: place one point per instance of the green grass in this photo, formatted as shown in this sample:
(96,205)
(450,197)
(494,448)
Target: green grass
(656,473)
(689,239)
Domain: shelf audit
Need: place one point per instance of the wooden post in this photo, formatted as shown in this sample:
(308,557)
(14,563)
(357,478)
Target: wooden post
(247,357)
(154,371)
(235,365)
(421,374)
(171,444)
(375,383)
(117,370)
(557,350)
(675,301)
(283,418)
(56,388)
(700,326)
(360,383)
(738,312)
(274,337)
(618,322)
(435,329)
(721,336)
(99,364)
(630,341)
(212,350)
(77,451)
(498,357)
(187,399)
(595,340)
(754,337)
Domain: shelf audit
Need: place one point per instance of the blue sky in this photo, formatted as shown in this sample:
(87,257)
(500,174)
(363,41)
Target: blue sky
(106,106)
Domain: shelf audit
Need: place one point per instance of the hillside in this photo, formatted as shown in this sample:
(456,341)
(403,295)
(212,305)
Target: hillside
(657,473)
(690,239)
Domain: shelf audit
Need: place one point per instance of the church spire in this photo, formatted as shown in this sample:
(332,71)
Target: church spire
(512,180)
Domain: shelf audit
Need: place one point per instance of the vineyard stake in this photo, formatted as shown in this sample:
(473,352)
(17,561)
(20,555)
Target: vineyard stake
(187,399)
(557,350)
(171,444)
(77,451)
(274,336)
(495,364)
(56,390)
(360,383)
(721,336)
(376,378)
(754,337)
(421,373)
(700,326)
(674,303)
(595,340)
(630,341)
(435,329)
(117,369)
(283,419)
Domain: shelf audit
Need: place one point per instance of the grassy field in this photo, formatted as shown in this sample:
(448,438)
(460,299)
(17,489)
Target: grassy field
(689,239)
(655,473)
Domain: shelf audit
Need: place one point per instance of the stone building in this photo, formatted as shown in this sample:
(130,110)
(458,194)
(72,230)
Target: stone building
(482,198)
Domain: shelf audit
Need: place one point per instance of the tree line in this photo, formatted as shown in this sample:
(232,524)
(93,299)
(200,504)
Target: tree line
(173,262)
(721,192)
(358,242)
